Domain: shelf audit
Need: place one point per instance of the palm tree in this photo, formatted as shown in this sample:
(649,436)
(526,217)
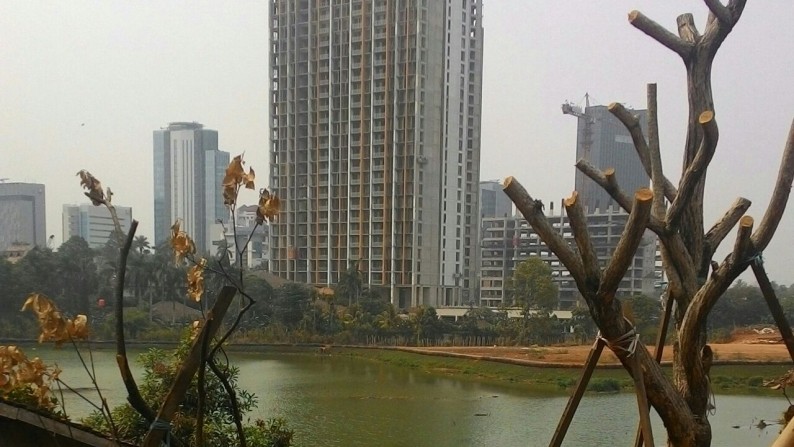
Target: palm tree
(141,244)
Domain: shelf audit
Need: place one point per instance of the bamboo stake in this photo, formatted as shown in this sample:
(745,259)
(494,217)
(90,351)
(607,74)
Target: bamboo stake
(774,307)
(576,397)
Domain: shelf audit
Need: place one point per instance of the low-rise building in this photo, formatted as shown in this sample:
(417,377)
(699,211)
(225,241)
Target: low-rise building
(93,223)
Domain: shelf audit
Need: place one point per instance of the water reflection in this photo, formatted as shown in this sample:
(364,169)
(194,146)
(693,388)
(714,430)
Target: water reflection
(338,401)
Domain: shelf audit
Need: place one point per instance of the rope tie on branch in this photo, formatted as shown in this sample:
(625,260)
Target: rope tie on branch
(161,424)
(758,259)
(627,342)
(712,407)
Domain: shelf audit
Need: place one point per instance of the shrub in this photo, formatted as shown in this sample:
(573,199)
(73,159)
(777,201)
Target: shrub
(608,385)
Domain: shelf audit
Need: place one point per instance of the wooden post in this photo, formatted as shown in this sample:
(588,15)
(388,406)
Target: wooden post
(774,307)
(657,353)
(185,375)
(576,397)
(642,402)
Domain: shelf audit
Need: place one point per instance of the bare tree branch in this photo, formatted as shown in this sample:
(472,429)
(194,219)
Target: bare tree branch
(623,256)
(723,226)
(741,248)
(718,30)
(716,285)
(133,393)
(657,174)
(532,213)
(578,222)
(722,13)
(607,181)
(687,29)
(774,212)
(696,170)
(632,124)
(661,35)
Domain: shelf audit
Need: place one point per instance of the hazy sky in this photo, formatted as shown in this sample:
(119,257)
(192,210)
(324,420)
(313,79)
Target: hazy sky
(84,83)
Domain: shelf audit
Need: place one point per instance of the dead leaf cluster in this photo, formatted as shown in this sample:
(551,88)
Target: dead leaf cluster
(93,186)
(52,325)
(268,207)
(195,280)
(181,243)
(235,178)
(17,371)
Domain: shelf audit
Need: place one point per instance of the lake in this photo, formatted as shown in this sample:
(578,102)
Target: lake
(343,401)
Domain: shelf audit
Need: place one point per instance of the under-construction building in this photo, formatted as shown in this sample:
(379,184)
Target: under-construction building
(604,141)
(509,240)
(375,144)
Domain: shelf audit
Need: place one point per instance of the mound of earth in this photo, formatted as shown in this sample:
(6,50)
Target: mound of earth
(756,335)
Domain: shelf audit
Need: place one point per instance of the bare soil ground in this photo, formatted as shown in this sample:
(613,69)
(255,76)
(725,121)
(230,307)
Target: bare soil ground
(746,345)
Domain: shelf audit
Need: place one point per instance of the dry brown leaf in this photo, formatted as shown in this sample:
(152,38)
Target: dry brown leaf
(181,243)
(94,187)
(195,280)
(248,179)
(268,208)
(234,172)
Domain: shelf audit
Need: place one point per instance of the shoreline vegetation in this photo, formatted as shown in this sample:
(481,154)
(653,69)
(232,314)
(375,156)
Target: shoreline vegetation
(536,367)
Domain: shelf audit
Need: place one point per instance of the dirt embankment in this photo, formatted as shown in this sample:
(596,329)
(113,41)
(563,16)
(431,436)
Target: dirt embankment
(750,345)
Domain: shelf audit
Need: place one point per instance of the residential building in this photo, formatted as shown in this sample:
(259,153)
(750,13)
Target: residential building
(375,144)
(22,215)
(253,239)
(493,200)
(606,143)
(93,223)
(508,241)
(188,173)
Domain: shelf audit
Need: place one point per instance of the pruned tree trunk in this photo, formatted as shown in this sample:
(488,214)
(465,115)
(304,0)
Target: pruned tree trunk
(696,281)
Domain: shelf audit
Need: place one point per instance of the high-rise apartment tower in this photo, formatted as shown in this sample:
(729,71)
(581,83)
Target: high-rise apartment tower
(188,173)
(375,144)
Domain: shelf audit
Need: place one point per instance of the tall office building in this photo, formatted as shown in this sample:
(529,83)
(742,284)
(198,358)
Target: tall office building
(604,141)
(93,223)
(22,215)
(375,144)
(188,173)
(493,200)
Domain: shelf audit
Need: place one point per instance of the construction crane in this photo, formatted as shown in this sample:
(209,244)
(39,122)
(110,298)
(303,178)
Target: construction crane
(586,138)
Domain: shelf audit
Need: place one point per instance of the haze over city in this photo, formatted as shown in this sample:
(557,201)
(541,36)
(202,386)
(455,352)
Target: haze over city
(84,84)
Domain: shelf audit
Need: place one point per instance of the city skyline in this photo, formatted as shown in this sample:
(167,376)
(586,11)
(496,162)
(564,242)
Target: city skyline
(68,86)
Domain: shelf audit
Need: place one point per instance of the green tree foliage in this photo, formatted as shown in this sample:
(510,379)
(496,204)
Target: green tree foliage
(160,369)
(584,327)
(645,312)
(532,286)
(740,305)
(77,274)
(350,285)
(290,303)
(426,324)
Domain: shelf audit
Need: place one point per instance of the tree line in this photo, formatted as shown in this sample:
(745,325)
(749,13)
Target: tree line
(79,280)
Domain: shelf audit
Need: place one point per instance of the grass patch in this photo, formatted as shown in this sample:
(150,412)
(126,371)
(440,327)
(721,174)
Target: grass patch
(725,379)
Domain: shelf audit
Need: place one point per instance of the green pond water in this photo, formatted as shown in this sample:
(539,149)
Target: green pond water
(343,401)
